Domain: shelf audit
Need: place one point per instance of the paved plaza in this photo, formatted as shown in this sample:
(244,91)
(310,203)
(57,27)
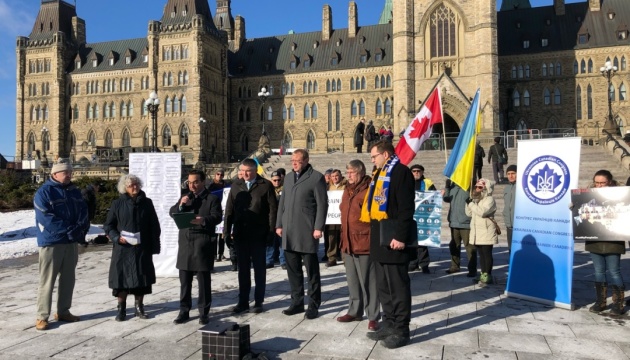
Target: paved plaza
(452,318)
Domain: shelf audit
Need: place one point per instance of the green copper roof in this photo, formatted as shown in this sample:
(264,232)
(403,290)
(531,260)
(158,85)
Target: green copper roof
(515,4)
(386,15)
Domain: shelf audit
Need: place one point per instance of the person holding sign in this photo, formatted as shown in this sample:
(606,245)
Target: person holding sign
(195,254)
(389,207)
(331,242)
(133,227)
(606,255)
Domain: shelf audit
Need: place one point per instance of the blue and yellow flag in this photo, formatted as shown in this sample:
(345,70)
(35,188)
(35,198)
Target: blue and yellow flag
(460,165)
(259,168)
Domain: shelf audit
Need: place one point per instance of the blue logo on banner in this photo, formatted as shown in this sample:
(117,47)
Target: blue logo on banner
(546,180)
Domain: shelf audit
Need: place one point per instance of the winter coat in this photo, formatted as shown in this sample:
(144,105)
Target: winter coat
(61,215)
(456,196)
(509,196)
(400,206)
(358,134)
(195,250)
(423,184)
(355,234)
(132,266)
(495,152)
(482,230)
(302,209)
(89,195)
(479,155)
(252,212)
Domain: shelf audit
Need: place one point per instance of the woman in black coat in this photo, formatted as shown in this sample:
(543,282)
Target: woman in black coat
(131,269)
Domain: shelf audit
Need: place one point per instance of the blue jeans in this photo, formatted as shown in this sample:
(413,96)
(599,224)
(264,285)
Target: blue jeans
(610,262)
(275,250)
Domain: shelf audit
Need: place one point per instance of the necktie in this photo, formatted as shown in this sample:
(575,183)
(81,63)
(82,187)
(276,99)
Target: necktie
(249,185)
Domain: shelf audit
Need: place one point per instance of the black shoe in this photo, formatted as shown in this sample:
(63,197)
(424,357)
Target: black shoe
(381,334)
(324,258)
(311,314)
(283,266)
(181,318)
(234,266)
(471,274)
(239,309)
(203,319)
(269,266)
(293,309)
(412,268)
(257,309)
(395,341)
(218,258)
(122,312)
(331,263)
(452,271)
(140,311)
(425,270)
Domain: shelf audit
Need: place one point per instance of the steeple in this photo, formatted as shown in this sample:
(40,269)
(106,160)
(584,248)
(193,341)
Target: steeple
(223,19)
(183,11)
(387,14)
(515,5)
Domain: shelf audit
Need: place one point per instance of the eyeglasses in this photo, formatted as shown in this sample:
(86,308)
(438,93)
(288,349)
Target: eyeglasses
(275,180)
(372,157)
(218,174)
(416,171)
(601,182)
(478,187)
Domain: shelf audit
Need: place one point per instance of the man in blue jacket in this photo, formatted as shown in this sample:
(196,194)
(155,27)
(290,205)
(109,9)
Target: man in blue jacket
(61,218)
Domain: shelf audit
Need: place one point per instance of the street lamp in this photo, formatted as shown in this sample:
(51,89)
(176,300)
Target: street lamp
(153,104)
(263,94)
(608,71)
(203,122)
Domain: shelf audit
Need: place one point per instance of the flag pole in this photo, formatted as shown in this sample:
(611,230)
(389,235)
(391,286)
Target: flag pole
(443,128)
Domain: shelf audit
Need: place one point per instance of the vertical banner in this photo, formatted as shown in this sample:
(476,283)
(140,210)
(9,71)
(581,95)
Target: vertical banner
(161,177)
(541,261)
(428,217)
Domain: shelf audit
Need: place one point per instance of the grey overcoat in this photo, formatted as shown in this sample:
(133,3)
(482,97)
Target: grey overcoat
(302,209)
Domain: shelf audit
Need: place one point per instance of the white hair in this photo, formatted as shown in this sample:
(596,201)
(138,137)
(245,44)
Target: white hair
(127,180)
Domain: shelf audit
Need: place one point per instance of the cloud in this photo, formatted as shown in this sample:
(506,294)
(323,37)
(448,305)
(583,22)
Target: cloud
(14,19)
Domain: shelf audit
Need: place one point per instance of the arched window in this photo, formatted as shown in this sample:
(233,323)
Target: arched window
(622,92)
(175,104)
(248,115)
(388,106)
(106,113)
(379,107)
(337,116)
(314,111)
(551,73)
(578,102)
(383,83)
(327,85)
(310,140)
(244,143)
(126,139)
(546,97)
(166,136)
(170,78)
(123,109)
(109,139)
(575,67)
(95,106)
(304,88)
(292,88)
(46,141)
(623,64)
(31,144)
(527,72)
(288,140)
(377,82)
(92,138)
(338,84)
(291,112)
(90,112)
(389,81)
(557,97)
(526,98)
(112,109)
(283,90)
(516,98)
(589,102)
(75,111)
(544,69)
(590,66)
(33,113)
(520,72)
(611,92)
(180,78)
(284,112)
(130,108)
(310,87)
(353,108)
(352,84)
(269,113)
(145,137)
(334,86)
(558,69)
(169,105)
(330,116)
(616,62)
(46,112)
(363,83)
(184,104)
(307,111)
(513,71)
(443,32)
(583,66)
(183,136)
(186,77)
(143,108)
(361,108)
(315,87)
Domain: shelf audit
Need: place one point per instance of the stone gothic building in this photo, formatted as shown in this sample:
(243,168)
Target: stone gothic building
(537,68)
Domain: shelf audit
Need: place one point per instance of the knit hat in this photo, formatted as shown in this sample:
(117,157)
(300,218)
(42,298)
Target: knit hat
(511,168)
(416,166)
(62,164)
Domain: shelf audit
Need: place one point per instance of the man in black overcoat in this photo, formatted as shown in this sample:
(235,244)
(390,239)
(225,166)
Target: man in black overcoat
(195,254)
(250,218)
(358,136)
(391,261)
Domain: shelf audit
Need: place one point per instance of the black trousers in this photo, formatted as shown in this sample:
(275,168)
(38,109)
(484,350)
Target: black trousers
(185,292)
(485,258)
(251,252)
(422,258)
(394,293)
(509,231)
(296,278)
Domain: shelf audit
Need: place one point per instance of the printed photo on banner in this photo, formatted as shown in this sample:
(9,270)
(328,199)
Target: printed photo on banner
(428,217)
(601,213)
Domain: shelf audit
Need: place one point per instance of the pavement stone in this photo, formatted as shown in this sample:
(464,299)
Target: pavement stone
(452,318)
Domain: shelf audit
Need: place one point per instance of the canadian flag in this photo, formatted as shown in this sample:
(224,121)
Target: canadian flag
(420,128)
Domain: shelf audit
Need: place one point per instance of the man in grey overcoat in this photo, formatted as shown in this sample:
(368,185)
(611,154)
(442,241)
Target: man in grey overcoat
(195,254)
(301,218)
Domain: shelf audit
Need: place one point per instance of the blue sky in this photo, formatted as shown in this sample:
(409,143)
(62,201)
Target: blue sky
(261,19)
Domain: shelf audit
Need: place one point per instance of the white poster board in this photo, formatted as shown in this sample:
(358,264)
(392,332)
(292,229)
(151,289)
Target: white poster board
(333,217)
(161,178)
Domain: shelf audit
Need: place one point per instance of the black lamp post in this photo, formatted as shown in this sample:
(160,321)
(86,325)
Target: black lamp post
(153,105)
(203,143)
(263,94)
(608,71)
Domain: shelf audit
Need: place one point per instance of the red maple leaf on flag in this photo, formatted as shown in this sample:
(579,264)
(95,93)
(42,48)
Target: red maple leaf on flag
(419,128)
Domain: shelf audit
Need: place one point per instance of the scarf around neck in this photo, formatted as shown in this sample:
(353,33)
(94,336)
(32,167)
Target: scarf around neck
(375,204)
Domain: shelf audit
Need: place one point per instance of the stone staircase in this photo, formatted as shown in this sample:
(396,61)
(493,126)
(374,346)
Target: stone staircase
(591,159)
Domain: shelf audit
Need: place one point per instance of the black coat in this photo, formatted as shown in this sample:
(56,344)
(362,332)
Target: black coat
(400,206)
(358,134)
(132,266)
(252,212)
(195,250)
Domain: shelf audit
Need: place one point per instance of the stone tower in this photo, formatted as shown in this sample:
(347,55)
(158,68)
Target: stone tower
(452,45)
(223,19)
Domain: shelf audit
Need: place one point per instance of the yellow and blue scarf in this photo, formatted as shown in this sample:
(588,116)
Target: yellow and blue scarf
(375,203)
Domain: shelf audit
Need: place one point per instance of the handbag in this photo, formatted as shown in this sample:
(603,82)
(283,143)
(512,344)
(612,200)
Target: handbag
(497,229)
(500,158)
(227,341)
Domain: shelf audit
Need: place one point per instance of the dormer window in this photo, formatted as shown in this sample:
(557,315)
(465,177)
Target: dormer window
(578,19)
(77,64)
(111,61)
(293,47)
(544,42)
(518,24)
(334,59)
(611,14)
(315,44)
(583,38)
(94,63)
(127,59)
(548,22)
(294,63)
(361,39)
(307,63)
(271,49)
(363,58)
(338,43)
(622,35)
(525,44)
(145,58)
(378,56)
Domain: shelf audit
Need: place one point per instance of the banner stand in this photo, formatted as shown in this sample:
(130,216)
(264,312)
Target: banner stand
(540,300)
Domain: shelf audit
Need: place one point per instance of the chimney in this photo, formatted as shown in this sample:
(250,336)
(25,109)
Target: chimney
(326,23)
(558,6)
(594,5)
(239,32)
(353,20)
(78,30)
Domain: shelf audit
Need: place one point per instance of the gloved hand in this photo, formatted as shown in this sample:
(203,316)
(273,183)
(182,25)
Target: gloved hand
(449,183)
(469,200)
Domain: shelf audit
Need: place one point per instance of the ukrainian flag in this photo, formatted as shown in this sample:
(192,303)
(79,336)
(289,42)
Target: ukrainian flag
(259,169)
(460,165)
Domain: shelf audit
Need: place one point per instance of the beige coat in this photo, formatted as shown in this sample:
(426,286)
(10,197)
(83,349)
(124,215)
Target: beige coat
(482,231)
